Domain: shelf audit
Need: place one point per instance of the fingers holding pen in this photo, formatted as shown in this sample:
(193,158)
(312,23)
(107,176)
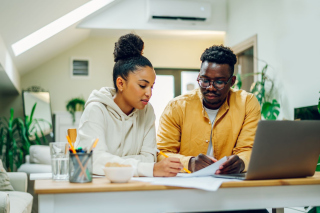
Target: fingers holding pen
(168,167)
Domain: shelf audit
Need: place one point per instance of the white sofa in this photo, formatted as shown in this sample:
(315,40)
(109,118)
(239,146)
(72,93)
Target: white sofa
(17,201)
(39,161)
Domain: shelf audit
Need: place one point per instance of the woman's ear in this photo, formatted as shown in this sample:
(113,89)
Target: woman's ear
(120,83)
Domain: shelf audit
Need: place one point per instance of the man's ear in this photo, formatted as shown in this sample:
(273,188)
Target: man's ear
(120,83)
(233,80)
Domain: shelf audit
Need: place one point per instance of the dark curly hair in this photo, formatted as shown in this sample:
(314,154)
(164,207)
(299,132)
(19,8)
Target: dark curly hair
(128,56)
(221,55)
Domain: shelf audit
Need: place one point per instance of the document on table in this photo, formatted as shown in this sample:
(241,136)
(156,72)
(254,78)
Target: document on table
(207,171)
(207,183)
(201,179)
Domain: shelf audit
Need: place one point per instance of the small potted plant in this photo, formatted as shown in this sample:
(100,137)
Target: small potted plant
(75,104)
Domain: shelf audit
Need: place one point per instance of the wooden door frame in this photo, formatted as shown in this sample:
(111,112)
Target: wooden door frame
(246,44)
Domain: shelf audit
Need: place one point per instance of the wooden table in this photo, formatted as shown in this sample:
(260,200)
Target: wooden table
(101,196)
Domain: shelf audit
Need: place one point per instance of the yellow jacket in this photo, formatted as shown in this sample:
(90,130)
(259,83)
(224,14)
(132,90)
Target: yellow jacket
(184,129)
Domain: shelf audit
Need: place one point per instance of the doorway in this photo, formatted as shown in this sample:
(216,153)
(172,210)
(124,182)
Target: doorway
(171,83)
(246,52)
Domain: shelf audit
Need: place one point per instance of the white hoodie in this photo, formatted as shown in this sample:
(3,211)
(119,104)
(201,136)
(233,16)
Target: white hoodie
(125,139)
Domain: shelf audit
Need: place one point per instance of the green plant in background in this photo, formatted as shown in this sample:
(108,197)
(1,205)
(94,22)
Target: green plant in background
(34,130)
(15,137)
(314,210)
(11,149)
(75,104)
(319,105)
(318,166)
(270,108)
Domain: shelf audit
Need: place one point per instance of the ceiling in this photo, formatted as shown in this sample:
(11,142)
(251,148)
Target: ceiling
(21,18)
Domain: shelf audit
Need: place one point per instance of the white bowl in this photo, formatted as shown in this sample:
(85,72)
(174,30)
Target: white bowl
(118,174)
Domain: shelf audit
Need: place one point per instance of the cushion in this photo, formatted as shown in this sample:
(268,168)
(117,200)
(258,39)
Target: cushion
(20,201)
(4,179)
(40,154)
(34,168)
(4,202)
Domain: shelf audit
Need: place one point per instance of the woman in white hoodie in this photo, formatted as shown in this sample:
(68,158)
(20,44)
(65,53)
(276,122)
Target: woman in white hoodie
(122,118)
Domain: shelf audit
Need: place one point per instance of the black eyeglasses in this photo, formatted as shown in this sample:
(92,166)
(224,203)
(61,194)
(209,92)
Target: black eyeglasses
(218,84)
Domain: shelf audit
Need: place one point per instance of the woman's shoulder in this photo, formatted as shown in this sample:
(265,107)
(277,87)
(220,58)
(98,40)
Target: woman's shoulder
(94,109)
(94,106)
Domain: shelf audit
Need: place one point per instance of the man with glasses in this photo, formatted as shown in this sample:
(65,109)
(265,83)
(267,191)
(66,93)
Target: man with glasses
(213,121)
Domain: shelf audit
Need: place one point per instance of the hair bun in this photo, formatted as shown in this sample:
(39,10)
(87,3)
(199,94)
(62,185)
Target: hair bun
(129,45)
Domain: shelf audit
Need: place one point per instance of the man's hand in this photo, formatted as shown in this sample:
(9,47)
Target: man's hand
(200,162)
(233,165)
(168,167)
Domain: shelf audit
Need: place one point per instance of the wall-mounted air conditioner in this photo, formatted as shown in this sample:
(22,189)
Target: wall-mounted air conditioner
(179,10)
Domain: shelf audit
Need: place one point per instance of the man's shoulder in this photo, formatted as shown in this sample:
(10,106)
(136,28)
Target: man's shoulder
(188,98)
(243,99)
(241,95)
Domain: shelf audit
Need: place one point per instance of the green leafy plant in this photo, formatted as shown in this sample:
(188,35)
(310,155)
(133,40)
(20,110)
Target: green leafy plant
(319,105)
(75,104)
(270,108)
(15,137)
(314,210)
(34,131)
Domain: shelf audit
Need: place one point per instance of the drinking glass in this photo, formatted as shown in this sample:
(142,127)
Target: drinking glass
(59,160)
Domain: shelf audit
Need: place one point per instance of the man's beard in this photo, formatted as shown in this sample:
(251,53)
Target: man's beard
(211,101)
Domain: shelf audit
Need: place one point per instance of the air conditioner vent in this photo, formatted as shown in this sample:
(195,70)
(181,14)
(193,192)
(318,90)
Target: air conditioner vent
(80,68)
(192,11)
(178,18)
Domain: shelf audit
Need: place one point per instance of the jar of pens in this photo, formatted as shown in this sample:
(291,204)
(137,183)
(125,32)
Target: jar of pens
(80,164)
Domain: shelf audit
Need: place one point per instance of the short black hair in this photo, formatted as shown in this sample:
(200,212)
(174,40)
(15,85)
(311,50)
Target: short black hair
(128,56)
(221,55)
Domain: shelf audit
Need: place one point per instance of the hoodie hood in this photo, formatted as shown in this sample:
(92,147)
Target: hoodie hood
(105,96)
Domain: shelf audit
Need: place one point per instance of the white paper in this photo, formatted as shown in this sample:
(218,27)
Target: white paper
(208,171)
(205,183)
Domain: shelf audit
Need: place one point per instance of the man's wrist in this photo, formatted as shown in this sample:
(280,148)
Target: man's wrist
(191,164)
(242,165)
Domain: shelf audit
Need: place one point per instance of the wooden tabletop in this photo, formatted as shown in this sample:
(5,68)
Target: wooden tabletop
(103,185)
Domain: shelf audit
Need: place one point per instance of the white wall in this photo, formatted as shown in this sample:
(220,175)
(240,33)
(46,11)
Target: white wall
(9,84)
(55,74)
(288,40)
(8,66)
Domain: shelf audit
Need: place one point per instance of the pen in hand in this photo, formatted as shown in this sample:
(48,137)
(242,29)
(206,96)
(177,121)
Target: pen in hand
(161,153)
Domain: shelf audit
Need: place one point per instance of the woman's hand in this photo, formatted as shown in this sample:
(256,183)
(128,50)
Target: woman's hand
(168,167)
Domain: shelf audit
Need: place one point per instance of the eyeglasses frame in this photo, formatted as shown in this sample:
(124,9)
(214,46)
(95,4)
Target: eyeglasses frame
(212,82)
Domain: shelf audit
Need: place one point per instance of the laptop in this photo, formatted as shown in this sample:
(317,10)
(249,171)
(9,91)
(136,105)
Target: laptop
(283,149)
